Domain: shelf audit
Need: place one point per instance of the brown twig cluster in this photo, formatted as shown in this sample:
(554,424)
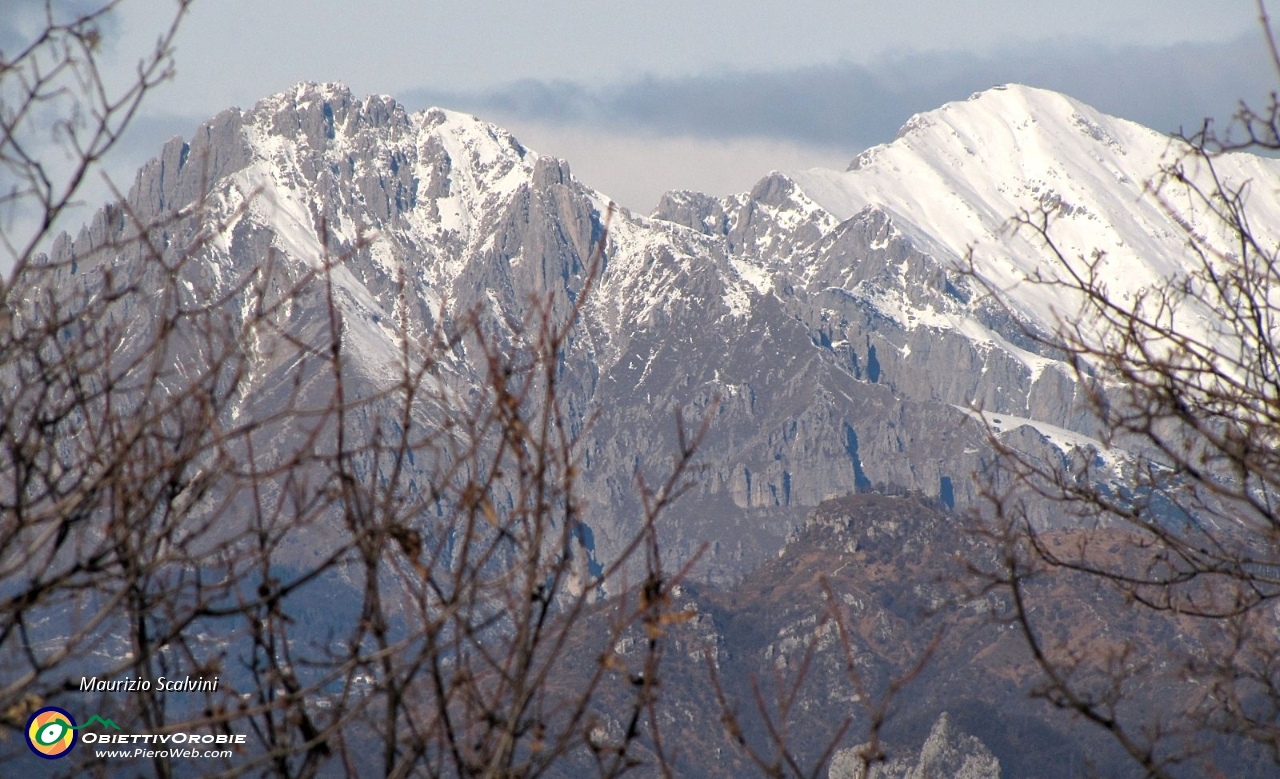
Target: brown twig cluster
(1190,533)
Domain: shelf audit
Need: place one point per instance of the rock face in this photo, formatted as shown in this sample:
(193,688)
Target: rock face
(821,319)
(946,754)
(874,599)
(952,754)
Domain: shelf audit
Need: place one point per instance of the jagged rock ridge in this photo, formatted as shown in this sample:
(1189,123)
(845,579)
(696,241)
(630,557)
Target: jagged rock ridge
(822,315)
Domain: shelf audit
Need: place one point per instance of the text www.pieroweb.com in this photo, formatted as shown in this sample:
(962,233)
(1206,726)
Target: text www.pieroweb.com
(152,753)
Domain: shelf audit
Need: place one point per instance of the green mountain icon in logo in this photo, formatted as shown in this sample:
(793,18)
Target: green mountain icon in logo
(106,723)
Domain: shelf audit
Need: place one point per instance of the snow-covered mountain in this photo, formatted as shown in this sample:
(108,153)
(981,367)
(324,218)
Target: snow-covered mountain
(824,316)
(956,176)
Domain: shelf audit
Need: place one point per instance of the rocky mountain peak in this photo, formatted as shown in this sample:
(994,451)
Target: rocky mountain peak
(824,315)
(324,115)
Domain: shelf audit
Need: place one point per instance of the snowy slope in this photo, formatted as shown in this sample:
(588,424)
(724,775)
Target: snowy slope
(956,176)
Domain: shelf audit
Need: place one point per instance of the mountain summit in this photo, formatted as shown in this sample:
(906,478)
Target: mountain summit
(956,176)
(825,318)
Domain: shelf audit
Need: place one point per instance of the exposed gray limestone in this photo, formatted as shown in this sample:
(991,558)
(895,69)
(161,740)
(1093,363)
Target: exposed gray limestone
(946,754)
(763,307)
(694,210)
(185,170)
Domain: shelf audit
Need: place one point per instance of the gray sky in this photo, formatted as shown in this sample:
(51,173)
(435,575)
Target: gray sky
(704,94)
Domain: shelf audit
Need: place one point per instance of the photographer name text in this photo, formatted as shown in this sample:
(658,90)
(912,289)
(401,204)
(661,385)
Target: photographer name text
(162,684)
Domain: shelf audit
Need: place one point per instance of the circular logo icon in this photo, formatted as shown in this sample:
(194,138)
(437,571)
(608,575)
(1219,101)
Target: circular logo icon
(51,732)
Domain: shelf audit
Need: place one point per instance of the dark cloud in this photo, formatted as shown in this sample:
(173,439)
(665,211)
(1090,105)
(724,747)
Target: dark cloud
(852,105)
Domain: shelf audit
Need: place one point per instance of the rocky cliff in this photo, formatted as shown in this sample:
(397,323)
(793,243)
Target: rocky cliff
(824,320)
